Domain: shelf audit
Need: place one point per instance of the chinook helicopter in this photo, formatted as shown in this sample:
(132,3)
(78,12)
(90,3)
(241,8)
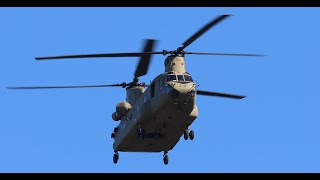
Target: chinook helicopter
(155,116)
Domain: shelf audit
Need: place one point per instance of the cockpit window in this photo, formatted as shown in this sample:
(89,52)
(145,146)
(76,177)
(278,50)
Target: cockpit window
(180,78)
(171,78)
(188,78)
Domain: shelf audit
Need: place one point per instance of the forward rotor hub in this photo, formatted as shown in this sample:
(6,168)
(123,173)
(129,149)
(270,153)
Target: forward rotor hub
(179,51)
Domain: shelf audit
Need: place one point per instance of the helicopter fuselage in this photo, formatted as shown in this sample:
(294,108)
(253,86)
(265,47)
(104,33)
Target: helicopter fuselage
(163,112)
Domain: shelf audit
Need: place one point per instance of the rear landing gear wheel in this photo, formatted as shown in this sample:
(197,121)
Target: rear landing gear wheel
(115,158)
(165,159)
(191,135)
(186,134)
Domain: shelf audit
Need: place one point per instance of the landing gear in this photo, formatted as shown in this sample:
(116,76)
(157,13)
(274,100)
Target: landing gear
(191,135)
(141,133)
(115,158)
(165,158)
(114,132)
(188,134)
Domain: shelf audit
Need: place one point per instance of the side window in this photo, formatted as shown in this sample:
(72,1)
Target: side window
(152,90)
(188,78)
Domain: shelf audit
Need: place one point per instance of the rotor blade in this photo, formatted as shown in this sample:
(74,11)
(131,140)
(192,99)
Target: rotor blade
(142,67)
(218,94)
(203,30)
(225,54)
(134,54)
(59,87)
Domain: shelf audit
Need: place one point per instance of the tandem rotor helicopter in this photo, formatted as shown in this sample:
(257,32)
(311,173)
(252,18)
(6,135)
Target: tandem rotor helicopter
(155,116)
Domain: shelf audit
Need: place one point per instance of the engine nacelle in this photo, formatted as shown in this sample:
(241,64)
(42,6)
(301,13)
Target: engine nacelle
(121,109)
(115,116)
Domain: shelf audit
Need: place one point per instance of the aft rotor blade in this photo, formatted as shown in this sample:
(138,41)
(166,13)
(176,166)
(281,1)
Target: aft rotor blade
(218,94)
(143,65)
(134,54)
(225,54)
(60,87)
(203,30)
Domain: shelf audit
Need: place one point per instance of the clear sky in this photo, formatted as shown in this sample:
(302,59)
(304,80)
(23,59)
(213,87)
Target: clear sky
(274,129)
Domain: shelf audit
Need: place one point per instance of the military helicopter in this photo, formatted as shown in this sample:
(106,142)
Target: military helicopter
(155,116)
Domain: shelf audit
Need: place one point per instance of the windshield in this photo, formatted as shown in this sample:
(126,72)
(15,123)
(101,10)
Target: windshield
(171,78)
(180,78)
(188,78)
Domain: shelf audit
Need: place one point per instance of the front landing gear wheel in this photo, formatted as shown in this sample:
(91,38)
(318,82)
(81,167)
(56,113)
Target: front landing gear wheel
(165,159)
(141,133)
(115,158)
(191,135)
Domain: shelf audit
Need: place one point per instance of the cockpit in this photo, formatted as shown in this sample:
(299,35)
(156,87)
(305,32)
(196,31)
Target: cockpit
(179,78)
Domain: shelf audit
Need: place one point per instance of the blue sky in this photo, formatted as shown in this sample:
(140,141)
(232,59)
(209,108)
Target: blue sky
(274,129)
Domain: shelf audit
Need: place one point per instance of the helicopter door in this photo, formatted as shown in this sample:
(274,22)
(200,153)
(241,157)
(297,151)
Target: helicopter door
(152,90)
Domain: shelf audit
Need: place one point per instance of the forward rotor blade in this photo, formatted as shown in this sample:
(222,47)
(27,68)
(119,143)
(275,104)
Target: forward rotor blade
(225,54)
(143,66)
(134,54)
(60,87)
(203,30)
(218,94)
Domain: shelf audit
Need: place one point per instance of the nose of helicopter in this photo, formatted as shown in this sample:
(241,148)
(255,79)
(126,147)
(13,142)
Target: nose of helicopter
(182,91)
